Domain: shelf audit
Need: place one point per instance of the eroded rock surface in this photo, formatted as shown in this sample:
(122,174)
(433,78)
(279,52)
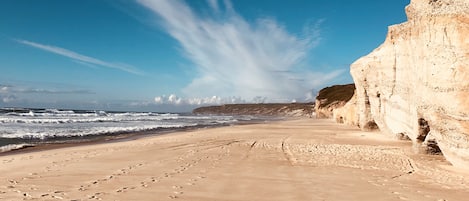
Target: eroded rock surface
(416,84)
(347,114)
(331,98)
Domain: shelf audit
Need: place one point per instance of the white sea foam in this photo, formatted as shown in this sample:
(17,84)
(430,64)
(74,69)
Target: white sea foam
(46,133)
(12,147)
(52,123)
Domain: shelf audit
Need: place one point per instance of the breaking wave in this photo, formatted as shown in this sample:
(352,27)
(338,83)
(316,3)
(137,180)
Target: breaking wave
(23,126)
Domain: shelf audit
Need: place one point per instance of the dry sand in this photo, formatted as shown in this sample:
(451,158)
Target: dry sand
(304,159)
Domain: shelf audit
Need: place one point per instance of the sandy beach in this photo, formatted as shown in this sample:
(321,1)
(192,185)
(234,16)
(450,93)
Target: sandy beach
(306,159)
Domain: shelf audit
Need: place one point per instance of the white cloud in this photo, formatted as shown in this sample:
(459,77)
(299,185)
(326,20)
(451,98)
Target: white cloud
(82,58)
(237,57)
(159,100)
(213,100)
(8,98)
(4,89)
(5,94)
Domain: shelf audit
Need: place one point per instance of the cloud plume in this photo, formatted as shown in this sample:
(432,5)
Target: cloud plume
(234,57)
(82,58)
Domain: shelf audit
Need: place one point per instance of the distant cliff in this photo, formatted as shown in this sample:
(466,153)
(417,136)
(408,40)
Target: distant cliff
(265,109)
(331,98)
(416,84)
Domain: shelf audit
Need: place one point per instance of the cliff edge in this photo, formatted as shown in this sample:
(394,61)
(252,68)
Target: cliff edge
(331,98)
(416,84)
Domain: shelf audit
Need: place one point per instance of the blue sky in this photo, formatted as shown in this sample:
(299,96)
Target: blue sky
(172,55)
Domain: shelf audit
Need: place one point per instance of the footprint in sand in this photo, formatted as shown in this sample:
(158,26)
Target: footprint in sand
(13,182)
(33,173)
(154,179)
(403,198)
(82,188)
(57,197)
(26,195)
(123,189)
(144,184)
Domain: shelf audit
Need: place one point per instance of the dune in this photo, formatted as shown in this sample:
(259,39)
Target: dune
(303,159)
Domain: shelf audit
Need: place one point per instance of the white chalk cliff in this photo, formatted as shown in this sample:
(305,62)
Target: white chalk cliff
(416,83)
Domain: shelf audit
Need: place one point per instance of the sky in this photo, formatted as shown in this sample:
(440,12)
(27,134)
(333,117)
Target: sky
(175,55)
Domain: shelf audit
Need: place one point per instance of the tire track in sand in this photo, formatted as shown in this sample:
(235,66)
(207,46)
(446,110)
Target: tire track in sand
(286,151)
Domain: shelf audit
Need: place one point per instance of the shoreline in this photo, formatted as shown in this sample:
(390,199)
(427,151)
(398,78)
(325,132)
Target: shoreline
(122,137)
(302,159)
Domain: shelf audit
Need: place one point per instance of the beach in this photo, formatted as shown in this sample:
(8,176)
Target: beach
(302,159)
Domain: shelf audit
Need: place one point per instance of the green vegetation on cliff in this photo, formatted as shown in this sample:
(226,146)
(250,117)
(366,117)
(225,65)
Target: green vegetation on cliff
(336,93)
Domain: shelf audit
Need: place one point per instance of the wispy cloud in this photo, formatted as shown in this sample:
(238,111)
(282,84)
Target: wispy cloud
(10,93)
(20,89)
(214,5)
(47,91)
(82,58)
(236,57)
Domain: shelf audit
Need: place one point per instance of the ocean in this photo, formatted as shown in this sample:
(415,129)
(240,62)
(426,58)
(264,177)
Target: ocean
(25,127)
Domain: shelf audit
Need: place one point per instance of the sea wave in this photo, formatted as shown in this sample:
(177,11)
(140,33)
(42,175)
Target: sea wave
(12,147)
(27,133)
(55,116)
(69,119)
(24,127)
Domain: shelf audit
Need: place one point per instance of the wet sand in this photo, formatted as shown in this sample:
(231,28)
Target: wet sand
(304,159)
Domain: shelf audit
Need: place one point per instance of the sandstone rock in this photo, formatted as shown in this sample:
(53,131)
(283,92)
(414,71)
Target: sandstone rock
(331,98)
(347,114)
(416,83)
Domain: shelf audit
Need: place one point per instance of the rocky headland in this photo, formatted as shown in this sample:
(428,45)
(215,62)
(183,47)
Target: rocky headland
(416,84)
(331,98)
(263,109)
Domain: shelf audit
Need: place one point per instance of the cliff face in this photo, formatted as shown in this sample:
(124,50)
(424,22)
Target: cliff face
(267,109)
(347,114)
(331,98)
(416,84)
